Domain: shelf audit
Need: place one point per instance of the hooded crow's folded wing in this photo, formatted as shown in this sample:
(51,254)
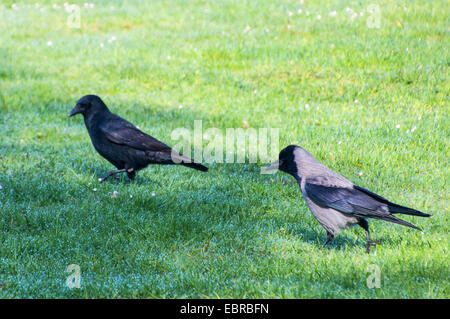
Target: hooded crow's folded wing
(352,201)
(344,199)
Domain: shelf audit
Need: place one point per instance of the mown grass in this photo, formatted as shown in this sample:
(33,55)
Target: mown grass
(231,232)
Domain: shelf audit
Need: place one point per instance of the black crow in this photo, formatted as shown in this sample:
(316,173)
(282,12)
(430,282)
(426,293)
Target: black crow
(123,144)
(335,201)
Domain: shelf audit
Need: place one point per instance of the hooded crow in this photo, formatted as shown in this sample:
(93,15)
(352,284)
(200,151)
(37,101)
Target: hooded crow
(334,201)
(123,144)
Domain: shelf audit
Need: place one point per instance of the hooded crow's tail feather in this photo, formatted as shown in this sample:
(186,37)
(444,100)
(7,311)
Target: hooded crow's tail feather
(397,209)
(393,208)
(399,221)
(199,167)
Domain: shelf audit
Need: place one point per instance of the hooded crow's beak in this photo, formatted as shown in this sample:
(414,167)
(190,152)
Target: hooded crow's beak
(271,169)
(75,110)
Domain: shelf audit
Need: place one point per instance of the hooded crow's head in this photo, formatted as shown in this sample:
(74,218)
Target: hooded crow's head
(286,161)
(87,105)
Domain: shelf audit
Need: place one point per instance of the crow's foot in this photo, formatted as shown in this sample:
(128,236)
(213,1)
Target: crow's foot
(372,243)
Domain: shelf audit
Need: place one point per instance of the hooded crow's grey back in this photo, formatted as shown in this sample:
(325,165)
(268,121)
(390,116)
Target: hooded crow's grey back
(122,143)
(335,201)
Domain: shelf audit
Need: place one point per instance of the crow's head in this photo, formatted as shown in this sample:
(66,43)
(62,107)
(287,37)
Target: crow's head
(286,161)
(88,104)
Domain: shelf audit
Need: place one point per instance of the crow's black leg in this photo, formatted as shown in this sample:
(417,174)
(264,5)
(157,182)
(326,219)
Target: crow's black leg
(364,224)
(330,237)
(131,173)
(112,173)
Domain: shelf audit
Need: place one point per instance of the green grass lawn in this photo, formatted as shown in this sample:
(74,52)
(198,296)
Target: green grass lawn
(377,112)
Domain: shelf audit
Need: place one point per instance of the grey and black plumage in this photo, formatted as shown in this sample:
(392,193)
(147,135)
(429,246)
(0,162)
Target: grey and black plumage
(123,144)
(335,201)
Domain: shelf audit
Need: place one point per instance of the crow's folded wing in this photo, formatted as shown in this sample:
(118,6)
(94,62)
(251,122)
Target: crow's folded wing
(344,199)
(124,133)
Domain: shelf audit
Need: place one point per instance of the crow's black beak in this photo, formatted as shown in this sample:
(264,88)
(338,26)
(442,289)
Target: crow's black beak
(75,110)
(271,169)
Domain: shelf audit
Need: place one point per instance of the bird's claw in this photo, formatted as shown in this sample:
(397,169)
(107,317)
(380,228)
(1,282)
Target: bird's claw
(372,243)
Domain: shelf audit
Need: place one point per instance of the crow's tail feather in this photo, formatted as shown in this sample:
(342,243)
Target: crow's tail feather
(397,209)
(177,158)
(399,221)
(393,208)
(196,166)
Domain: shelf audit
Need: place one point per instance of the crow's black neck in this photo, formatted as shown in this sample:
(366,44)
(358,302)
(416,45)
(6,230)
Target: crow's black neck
(93,119)
(297,178)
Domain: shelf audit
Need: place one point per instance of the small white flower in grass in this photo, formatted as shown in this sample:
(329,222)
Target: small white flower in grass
(413,129)
(360,173)
(131,196)
(91,5)
(361,13)
(299,11)
(99,179)
(397,126)
(332,45)
(407,131)
(289,27)
(169,57)
(306,106)
(356,101)
(180,106)
(339,143)
(101,45)
(1,187)
(114,194)
(14,6)
(49,43)
(407,49)
(307,13)
(245,123)
(153,194)
(419,118)
(247,29)
(95,189)
(319,17)
(290,14)
(332,14)
(86,5)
